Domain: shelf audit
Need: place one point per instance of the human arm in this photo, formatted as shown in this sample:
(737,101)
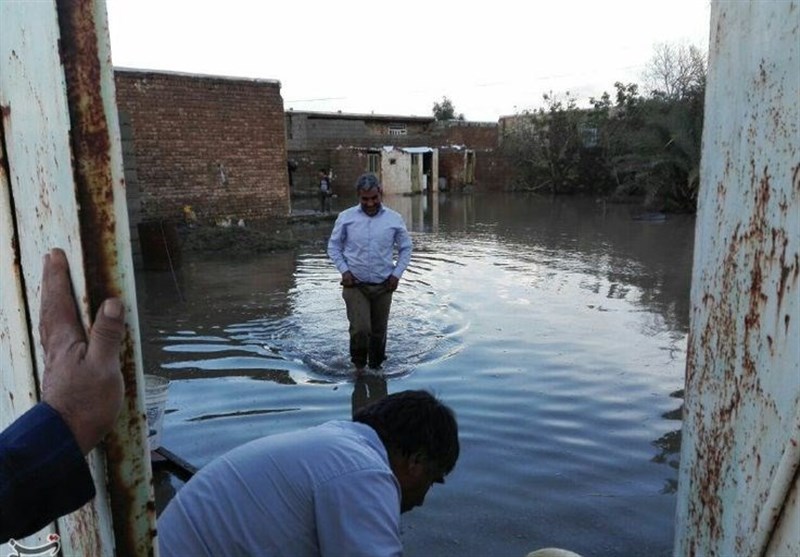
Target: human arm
(336,246)
(43,474)
(359,515)
(402,240)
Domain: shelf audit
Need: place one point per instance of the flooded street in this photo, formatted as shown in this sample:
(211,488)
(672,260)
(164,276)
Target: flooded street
(556,329)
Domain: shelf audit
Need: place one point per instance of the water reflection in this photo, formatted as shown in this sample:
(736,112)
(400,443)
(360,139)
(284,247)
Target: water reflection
(601,240)
(368,388)
(555,328)
(669,444)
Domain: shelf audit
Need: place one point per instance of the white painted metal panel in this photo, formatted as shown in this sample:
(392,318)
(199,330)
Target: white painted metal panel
(17,376)
(784,538)
(35,129)
(63,150)
(741,431)
(17,385)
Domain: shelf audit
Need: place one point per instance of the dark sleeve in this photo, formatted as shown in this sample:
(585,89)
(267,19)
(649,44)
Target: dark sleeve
(43,474)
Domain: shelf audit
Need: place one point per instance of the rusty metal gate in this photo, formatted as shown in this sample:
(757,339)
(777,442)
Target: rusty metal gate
(738,480)
(61,185)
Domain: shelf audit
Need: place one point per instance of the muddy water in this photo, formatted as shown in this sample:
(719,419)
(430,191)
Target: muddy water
(556,329)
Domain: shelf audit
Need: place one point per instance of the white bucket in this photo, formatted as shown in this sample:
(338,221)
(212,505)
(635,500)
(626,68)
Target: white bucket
(155,395)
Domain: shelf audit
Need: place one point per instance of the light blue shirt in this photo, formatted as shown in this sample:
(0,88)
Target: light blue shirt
(365,245)
(327,490)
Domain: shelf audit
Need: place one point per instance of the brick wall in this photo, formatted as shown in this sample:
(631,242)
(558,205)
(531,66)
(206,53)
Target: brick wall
(307,131)
(475,135)
(215,143)
(305,178)
(451,167)
(493,171)
(132,194)
(348,164)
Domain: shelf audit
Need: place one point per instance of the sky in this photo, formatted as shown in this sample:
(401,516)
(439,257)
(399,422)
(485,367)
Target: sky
(490,59)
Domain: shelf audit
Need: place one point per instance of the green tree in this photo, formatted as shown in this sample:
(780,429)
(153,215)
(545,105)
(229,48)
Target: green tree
(627,143)
(545,145)
(445,110)
(651,144)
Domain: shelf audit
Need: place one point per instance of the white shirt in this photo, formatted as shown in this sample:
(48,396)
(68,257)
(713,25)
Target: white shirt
(327,490)
(364,245)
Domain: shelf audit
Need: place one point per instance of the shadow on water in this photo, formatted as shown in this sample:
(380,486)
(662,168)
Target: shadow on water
(556,328)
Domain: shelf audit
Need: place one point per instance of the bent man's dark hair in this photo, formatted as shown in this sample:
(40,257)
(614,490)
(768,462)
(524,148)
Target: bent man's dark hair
(411,421)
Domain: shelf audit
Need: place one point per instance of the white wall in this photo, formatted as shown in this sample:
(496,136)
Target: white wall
(396,177)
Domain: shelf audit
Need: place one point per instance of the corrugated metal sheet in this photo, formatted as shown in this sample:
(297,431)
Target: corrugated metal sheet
(741,430)
(62,152)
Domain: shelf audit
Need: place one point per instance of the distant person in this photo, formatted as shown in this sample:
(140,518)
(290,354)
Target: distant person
(361,247)
(43,472)
(335,489)
(325,191)
(291,167)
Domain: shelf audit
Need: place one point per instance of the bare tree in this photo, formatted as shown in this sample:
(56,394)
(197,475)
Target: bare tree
(675,71)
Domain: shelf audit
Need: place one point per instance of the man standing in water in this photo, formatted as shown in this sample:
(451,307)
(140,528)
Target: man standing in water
(362,247)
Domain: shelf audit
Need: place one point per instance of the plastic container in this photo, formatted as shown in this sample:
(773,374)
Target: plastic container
(155,394)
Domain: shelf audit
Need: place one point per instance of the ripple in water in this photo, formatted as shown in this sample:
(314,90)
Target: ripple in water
(311,342)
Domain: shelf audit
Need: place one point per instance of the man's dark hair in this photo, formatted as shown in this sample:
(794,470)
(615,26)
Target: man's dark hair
(368,181)
(411,421)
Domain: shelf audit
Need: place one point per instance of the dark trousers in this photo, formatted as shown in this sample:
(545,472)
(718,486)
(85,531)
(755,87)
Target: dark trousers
(324,202)
(368,312)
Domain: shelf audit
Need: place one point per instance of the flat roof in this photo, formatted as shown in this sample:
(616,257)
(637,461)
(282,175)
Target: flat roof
(198,75)
(352,116)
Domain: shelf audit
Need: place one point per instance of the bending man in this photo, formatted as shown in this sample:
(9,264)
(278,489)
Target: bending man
(334,489)
(362,248)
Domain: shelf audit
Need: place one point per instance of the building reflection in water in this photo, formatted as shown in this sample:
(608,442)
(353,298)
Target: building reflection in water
(368,388)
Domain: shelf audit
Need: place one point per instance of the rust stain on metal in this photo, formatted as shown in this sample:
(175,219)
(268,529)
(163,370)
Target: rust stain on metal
(91,145)
(84,528)
(90,138)
(123,500)
(759,248)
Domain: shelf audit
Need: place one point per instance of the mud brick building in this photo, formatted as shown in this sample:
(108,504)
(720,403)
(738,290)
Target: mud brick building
(461,154)
(469,156)
(349,144)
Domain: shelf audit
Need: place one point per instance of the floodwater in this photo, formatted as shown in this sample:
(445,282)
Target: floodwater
(555,328)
